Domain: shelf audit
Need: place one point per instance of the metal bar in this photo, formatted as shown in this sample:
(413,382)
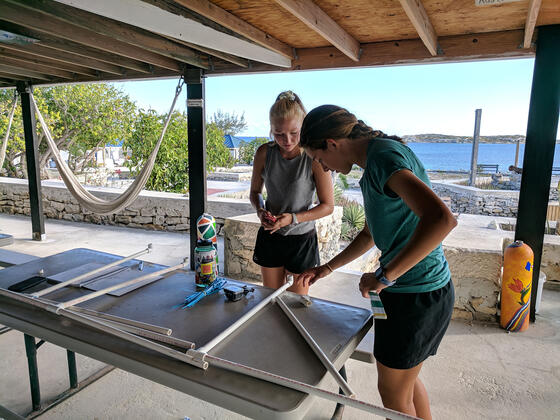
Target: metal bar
(316,349)
(197,151)
(540,142)
(91,273)
(306,388)
(212,343)
(137,280)
(32,160)
(31,352)
(72,371)
(339,409)
(474,154)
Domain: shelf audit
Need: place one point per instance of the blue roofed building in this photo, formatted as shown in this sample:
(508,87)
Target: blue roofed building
(234,142)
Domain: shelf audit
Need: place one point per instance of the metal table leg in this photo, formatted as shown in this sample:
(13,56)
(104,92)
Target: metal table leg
(339,410)
(31,352)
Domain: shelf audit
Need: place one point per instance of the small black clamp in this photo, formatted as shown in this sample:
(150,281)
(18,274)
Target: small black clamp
(235,293)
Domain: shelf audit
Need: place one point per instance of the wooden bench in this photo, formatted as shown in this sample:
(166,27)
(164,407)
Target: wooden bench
(484,168)
(9,258)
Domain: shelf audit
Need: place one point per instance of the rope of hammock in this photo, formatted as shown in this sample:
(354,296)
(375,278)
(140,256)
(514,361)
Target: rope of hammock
(83,196)
(5,142)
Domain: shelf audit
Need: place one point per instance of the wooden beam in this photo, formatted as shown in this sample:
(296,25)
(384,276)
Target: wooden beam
(25,16)
(5,75)
(155,19)
(122,32)
(241,62)
(460,48)
(31,58)
(23,64)
(530,22)
(237,25)
(415,11)
(72,53)
(15,70)
(314,17)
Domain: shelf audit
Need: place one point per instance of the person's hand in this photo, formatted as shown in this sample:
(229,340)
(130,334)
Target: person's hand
(282,220)
(266,218)
(368,282)
(311,275)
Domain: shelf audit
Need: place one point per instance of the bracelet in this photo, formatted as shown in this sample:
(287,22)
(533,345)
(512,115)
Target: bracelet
(329,267)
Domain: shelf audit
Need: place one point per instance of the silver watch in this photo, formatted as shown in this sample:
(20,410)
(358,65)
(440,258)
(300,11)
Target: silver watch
(294,219)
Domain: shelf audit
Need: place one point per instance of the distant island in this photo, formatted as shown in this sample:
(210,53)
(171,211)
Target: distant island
(446,138)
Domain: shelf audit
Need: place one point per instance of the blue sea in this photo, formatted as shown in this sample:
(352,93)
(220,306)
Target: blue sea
(457,156)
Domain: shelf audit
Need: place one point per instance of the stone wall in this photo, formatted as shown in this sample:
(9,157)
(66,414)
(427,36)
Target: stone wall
(239,242)
(151,210)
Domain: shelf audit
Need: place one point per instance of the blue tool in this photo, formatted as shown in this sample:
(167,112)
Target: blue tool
(215,287)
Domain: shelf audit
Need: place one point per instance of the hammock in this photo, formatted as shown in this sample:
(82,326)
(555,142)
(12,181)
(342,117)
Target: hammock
(5,142)
(83,196)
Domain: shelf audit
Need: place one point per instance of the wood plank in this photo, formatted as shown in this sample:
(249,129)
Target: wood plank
(460,48)
(26,65)
(532,15)
(241,62)
(120,31)
(158,20)
(230,21)
(17,71)
(71,52)
(415,11)
(12,77)
(315,18)
(25,16)
(32,58)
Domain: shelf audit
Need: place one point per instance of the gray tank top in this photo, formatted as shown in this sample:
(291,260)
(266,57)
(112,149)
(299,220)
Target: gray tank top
(289,187)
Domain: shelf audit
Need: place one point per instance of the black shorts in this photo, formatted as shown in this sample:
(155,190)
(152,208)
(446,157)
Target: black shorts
(296,253)
(415,325)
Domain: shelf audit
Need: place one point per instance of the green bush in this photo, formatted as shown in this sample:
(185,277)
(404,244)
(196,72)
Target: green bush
(353,214)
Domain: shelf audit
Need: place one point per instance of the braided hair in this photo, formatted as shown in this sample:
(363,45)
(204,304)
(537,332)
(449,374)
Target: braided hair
(333,122)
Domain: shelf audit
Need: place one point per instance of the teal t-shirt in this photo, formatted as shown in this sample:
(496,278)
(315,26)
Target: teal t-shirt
(391,222)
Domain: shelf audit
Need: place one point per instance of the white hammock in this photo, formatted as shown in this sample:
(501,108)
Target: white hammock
(87,199)
(5,142)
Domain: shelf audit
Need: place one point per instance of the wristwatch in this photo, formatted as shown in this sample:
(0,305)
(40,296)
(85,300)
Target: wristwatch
(294,219)
(380,276)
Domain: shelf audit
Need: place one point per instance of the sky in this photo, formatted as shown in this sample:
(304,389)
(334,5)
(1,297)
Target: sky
(401,100)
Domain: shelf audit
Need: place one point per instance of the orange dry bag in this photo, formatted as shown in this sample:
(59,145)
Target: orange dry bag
(516,287)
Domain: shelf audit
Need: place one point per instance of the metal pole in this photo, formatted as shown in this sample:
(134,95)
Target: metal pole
(474,155)
(32,159)
(194,79)
(517,153)
(31,352)
(91,273)
(72,371)
(315,347)
(540,143)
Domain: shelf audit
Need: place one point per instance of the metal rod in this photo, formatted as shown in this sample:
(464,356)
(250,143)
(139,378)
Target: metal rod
(137,280)
(318,351)
(208,346)
(31,352)
(99,325)
(91,273)
(72,370)
(306,388)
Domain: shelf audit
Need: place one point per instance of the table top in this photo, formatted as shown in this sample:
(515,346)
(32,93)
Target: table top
(268,341)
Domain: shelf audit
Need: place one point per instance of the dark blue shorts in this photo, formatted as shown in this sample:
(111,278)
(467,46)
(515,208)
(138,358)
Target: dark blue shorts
(414,328)
(296,253)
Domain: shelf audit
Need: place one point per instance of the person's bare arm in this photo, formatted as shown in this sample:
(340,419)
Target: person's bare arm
(255,194)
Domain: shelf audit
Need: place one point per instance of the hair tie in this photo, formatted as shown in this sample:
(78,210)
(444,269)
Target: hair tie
(288,94)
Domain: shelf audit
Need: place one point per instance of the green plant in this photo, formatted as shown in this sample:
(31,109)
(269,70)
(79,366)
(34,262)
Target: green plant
(353,214)
(339,200)
(343,181)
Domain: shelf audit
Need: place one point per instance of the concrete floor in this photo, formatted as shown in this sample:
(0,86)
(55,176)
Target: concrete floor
(479,372)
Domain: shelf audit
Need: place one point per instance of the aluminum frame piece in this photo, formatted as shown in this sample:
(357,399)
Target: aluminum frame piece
(268,341)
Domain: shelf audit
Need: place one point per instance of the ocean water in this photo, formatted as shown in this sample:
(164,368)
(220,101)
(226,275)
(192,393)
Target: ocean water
(457,156)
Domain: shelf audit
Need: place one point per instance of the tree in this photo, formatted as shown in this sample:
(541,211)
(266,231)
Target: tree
(217,154)
(247,149)
(229,123)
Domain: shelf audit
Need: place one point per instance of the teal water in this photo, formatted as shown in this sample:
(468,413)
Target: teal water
(457,156)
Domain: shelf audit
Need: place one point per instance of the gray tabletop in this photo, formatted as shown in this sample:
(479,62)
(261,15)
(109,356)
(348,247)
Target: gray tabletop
(268,341)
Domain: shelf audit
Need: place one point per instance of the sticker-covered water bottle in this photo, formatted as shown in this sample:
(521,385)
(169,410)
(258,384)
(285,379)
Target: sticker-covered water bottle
(206,267)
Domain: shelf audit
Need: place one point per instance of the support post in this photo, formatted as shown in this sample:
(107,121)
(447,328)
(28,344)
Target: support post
(72,370)
(32,159)
(31,352)
(194,79)
(476,138)
(540,142)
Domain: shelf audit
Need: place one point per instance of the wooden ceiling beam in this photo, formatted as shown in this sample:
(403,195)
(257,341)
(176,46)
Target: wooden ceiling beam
(159,20)
(228,20)
(14,77)
(120,31)
(415,11)
(31,58)
(73,53)
(23,15)
(531,21)
(18,71)
(26,65)
(315,18)
(241,62)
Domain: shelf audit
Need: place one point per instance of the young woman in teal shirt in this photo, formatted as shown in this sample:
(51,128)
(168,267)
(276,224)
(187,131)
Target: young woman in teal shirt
(407,222)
